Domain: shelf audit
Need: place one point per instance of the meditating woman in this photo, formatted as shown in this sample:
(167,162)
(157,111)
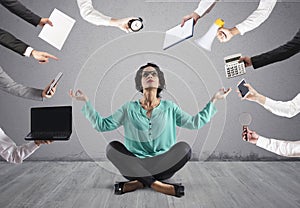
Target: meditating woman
(150,153)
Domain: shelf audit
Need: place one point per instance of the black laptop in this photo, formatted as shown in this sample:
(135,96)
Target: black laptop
(50,123)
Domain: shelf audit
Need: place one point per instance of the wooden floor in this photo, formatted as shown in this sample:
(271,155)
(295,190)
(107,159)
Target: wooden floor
(207,185)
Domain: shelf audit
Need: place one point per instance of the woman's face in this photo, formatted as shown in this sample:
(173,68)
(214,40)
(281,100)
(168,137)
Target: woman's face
(150,78)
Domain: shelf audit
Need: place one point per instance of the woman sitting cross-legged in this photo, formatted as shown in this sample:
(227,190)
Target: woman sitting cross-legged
(150,153)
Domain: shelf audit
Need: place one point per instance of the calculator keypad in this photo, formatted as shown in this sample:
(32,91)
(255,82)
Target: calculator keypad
(234,69)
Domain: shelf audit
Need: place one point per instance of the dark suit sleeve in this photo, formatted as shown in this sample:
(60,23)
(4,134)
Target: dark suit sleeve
(20,10)
(11,42)
(278,54)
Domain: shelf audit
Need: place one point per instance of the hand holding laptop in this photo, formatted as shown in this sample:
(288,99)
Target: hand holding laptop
(50,123)
(39,142)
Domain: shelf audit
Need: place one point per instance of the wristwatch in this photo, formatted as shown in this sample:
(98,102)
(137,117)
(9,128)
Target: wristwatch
(135,24)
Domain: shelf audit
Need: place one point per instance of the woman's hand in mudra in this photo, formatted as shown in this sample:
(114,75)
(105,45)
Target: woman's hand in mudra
(221,94)
(78,95)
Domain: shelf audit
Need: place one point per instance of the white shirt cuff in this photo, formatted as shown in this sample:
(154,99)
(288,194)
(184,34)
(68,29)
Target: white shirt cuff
(32,146)
(242,29)
(203,6)
(262,142)
(28,51)
(268,103)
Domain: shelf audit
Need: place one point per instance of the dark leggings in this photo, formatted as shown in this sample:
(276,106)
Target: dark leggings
(150,169)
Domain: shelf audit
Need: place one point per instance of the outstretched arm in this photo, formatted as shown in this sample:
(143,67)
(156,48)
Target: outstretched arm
(260,15)
(279,147)
(95,17)
(20,10)
(220,94)
(204,7)
(8,85)
(91,15)
(98,122)
(185,120)
(13,153)
(284,108)
(11,42)
(283,52)
(281,108)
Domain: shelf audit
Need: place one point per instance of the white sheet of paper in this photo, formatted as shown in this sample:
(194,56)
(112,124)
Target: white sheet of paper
(57,35)
(177,34)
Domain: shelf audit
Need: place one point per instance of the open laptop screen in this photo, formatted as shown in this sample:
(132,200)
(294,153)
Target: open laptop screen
(51,119)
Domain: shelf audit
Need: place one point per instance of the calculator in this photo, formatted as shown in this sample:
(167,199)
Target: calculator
(232,66)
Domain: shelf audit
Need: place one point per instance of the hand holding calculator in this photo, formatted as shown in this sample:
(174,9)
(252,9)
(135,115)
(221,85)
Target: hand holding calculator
(233,67)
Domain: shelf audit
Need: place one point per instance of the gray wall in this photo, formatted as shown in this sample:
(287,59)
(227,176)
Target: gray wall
(102,61)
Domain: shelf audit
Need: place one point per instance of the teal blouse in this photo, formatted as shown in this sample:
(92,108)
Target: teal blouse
(148,137)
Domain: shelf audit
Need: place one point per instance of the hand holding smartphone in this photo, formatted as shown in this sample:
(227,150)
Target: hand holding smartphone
(243,89)
(57,78)
(245,131)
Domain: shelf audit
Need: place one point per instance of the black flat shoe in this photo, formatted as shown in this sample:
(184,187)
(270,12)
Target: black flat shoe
(119,188)
(179,189)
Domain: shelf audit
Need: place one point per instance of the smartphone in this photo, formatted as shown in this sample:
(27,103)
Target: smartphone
(245,131)
(57,78)
(243,89)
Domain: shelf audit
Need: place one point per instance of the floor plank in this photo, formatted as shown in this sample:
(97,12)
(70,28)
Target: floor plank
(207,185)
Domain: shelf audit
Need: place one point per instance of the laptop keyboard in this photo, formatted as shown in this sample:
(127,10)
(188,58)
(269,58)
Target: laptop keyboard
(46,135)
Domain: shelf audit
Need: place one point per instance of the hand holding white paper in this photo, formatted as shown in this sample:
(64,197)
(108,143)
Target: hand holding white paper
(57,34)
